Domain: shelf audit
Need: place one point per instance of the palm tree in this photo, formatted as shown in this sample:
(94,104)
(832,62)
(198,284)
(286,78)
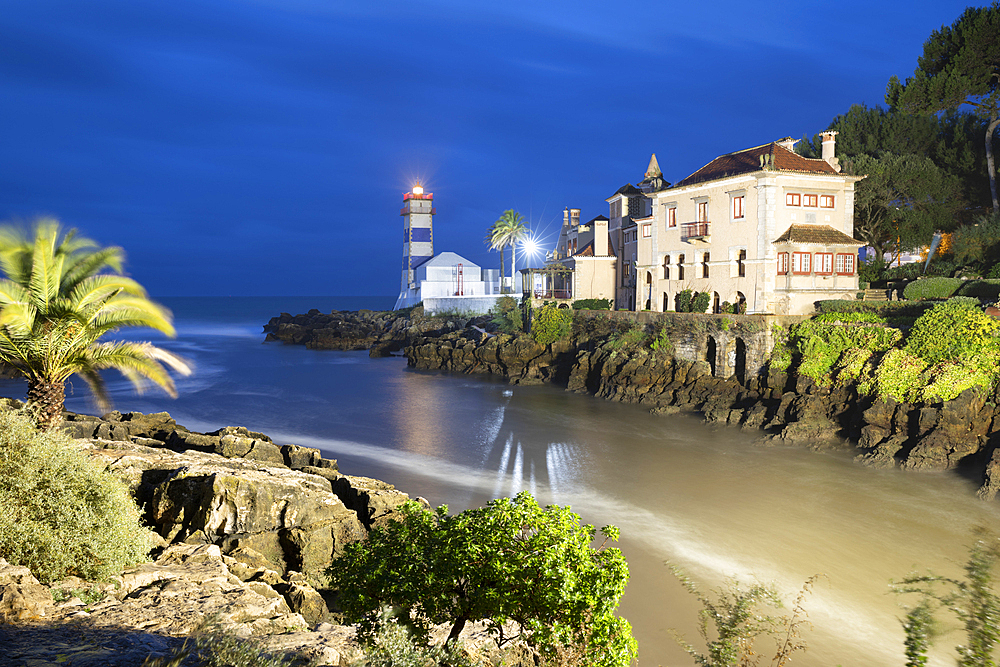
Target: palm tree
(508,230)
(56,304)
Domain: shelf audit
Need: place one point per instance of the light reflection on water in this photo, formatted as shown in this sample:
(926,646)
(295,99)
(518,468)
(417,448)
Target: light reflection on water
(704,498)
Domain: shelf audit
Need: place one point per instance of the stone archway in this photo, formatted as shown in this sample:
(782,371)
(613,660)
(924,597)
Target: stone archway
(741,361)
(711,352)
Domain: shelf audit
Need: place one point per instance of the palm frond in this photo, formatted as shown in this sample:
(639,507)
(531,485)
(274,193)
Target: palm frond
(131,311)
(96,289)
(87,265)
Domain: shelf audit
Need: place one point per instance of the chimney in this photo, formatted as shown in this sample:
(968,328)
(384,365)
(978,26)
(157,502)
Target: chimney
(600,237)
(830,148)
(787,143)
(566,218)
(574,217)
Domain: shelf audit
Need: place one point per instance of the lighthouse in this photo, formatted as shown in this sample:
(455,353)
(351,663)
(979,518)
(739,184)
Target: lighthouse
(418,241)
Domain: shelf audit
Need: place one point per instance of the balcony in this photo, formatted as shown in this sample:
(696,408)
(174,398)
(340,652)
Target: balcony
(698,233)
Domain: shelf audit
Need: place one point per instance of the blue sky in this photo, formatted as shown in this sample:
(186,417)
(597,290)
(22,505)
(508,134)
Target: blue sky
(262,147)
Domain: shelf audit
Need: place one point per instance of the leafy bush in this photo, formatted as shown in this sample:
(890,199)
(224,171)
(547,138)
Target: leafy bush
(700,303)
(854,317)
(626,338)
(392,647)
(510,561)
(983,289)
(900,376)
(683,301)
(910,271)
(551,324)
(662,343)
(953,330)
(885,308)
(507,315)
(855,367)
(592,304)
(820,344)
(738,616)
(61,512)
(950,378)
(932,288)
(870,272)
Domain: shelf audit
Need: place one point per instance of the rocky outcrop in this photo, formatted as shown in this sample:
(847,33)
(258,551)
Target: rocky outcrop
(380,332)
(961,434)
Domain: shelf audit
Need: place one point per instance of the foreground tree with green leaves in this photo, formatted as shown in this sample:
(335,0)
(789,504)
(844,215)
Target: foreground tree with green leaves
(61,296)
(960,65)
(510,562)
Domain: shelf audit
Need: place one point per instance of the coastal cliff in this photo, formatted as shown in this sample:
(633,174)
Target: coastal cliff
(960,435)
(598,358)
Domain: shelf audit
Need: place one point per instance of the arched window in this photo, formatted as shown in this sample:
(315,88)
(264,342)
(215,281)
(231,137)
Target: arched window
(704,265)
(741,303)
(716,306)
(741,264)
(666,267)
(680,267)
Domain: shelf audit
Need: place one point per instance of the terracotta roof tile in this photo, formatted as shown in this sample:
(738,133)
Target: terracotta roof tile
(748,161)
(817,235)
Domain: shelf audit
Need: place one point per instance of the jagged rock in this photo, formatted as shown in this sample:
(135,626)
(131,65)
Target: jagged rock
(374,501)
(292,519)
(991,481)
(21,596)
(882,454)
(940,451)
(186,585)
(305,600)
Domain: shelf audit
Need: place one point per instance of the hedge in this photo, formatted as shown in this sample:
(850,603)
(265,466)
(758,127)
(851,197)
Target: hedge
(942,288)
(884,308)
(592,304)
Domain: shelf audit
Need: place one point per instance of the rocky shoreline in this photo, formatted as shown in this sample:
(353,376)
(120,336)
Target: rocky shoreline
(961,436)
(245,529)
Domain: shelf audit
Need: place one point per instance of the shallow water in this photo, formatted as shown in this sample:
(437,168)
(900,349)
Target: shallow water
(704,498)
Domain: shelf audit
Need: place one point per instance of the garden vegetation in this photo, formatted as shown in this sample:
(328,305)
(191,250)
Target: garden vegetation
(950,348)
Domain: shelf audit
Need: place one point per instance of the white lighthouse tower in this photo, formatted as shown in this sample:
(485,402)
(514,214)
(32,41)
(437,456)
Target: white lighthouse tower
(418,241)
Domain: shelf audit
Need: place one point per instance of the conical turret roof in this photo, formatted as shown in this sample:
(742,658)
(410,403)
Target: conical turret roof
(653,170)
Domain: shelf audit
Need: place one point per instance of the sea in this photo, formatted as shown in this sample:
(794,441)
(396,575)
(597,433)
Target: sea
(713,501)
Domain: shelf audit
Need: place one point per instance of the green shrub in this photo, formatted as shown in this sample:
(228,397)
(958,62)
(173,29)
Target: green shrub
(950,378)
(884,308)
(900,376)
(592,304)
(855,367)
(392,646)
(700,303)
(683,301)
(820,344)
(61,512)
(854,317)
(507,315)
(511,560)
(951,331)
(910,271)
(932,288)
(662,343)
(551,324)
(627,338)
(982,289)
